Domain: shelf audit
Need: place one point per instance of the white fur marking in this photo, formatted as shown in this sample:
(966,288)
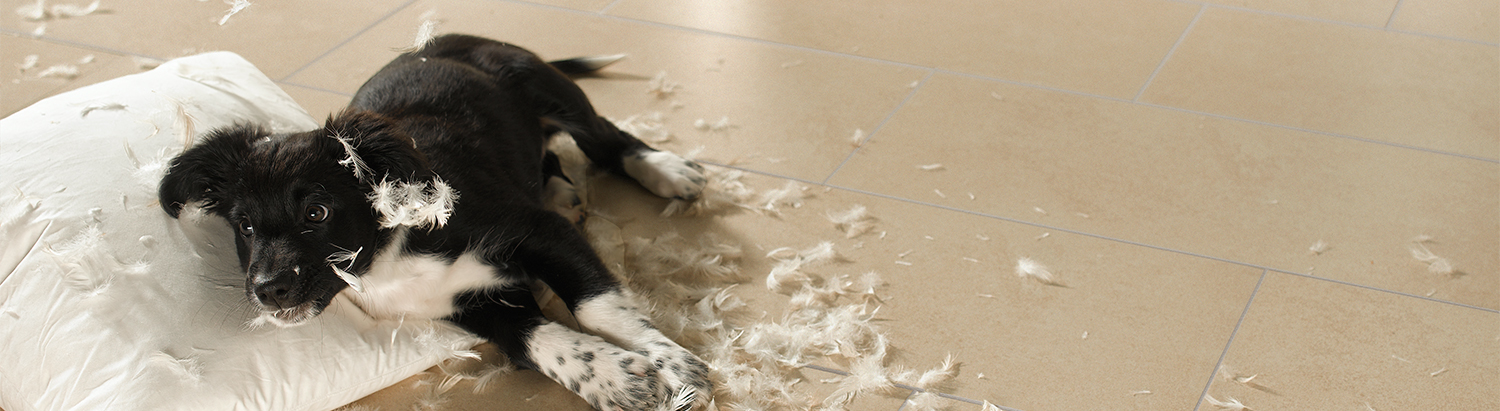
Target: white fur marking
(399,285)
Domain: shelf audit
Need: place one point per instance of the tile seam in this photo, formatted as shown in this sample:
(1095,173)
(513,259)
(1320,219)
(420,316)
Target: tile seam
(1394,11)
(1243,313)
(888,116)
(995,79)
(1170,52)
(349,39)
(1108,238)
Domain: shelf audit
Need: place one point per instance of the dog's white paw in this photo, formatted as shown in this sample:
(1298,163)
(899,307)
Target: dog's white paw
(684,374)
(665,174)
(562,198)
(608,377)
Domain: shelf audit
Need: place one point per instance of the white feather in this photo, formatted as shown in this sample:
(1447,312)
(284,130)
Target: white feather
(1028,268)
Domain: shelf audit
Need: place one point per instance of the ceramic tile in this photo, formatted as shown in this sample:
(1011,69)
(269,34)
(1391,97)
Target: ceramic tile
(320,104)
(1477,20)
(583,5)
(789,112)
(20,88)
(1227,189)
(1098,47)
(278,37)
(1155,320)
(1400,88)
(1369,13)
(1316,345)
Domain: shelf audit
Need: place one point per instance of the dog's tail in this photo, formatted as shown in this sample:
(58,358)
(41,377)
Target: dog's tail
(585,65)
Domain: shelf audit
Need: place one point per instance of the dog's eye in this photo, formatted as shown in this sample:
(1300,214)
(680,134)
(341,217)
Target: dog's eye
(245,228)
(317,213)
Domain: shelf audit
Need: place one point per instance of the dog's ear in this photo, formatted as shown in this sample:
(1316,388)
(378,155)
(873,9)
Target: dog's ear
(403,189)
(205,171)
(374,150)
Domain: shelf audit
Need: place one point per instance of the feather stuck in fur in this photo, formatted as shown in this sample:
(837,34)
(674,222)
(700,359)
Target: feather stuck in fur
(351,160)
(418,205)
(346,257)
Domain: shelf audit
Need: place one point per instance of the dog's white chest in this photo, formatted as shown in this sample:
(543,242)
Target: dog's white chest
(420,287)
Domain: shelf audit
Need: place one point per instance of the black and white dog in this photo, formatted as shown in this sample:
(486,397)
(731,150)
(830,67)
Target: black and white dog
(434,196)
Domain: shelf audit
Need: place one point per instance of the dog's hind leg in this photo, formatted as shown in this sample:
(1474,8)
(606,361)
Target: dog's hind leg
(607,376)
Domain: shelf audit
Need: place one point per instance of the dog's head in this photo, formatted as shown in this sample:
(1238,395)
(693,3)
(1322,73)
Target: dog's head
(308,208)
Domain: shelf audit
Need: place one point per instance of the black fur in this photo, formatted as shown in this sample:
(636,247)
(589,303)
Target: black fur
(472,112)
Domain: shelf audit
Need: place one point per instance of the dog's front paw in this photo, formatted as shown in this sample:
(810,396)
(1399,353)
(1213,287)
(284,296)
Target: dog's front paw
(609,377)
(667,175)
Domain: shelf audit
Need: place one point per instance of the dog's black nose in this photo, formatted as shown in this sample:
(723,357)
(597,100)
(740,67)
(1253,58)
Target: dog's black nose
(275,293)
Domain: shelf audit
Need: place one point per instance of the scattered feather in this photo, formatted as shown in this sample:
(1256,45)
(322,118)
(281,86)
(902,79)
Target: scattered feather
(64,71)
(853,222)
(650,127)
(660,86)
(718,126)
(939,193)
(858,140)
(1319,247)
(1044,235)
(28,62)
(86,59)
(1039,210)
(931,167)
(997,96)
(235,7)
(1439,371)
(1231,405)
(987,406)
(1435,264)
(351,159)
(1141,392)
(1028,268)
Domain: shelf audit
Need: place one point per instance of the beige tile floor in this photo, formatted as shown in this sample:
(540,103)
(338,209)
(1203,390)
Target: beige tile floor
(1172,161)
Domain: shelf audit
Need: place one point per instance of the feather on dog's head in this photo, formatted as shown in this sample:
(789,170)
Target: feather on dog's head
(304,205)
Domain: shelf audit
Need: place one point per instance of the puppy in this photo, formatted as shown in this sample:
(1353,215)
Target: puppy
(433,196)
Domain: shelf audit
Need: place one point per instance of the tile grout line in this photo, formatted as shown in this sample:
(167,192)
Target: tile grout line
(1394,11)
(351,37)
(1019,83)
(314,88)
(603,11)
(1322,133)
(1170,52)
(1244,313)
(888,116)
(1110,239)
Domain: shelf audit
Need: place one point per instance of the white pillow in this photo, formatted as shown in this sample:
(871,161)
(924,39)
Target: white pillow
(108,303)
